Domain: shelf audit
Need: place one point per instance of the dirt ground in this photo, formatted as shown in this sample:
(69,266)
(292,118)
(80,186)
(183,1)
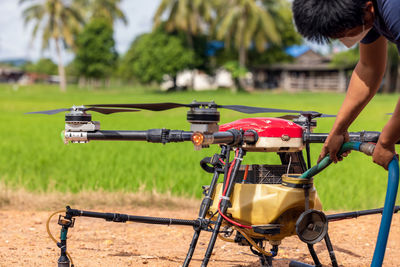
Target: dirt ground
(95,242)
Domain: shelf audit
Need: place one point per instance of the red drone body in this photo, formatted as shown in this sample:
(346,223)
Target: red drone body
(274,134)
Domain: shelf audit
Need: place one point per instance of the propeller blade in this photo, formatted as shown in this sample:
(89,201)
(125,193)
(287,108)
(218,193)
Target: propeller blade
(110,110)
(146,106)
(313,115)
(251,110)
(96,109)
(328,116)
(50,112)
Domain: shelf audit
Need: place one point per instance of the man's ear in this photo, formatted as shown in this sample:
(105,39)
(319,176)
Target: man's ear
(369,15)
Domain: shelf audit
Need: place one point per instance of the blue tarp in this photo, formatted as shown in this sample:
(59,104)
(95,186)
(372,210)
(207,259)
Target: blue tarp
(296,50)
(213,47)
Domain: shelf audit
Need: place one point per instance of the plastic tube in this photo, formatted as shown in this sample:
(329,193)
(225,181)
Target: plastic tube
(326,160)
(390,200)
(251,241)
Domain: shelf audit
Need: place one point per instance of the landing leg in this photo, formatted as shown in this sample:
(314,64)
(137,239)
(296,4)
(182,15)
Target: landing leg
(229,181)
(314,255)
(207,201)
(330,250)
(265,261)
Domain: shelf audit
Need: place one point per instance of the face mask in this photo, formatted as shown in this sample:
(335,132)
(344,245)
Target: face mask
(350,41)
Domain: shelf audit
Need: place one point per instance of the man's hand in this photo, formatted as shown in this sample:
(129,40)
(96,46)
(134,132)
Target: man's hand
(383,154)
(332,146)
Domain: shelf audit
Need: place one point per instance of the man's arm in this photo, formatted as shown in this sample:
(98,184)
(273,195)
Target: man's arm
(385,148)
(364,84)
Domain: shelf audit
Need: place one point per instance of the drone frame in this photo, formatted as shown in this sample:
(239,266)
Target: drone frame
(204,119)
(228,141)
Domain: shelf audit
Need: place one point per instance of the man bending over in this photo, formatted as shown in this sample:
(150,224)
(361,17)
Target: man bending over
(371,24)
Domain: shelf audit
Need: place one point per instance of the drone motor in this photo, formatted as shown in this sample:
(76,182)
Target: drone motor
(77,124)
(204,118)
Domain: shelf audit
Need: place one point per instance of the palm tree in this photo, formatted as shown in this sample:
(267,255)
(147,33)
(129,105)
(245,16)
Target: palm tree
(391,72)
(244,23)
(108,9)
(190,16)
(56,21)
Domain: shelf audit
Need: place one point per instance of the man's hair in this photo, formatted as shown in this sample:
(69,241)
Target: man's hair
(320,20)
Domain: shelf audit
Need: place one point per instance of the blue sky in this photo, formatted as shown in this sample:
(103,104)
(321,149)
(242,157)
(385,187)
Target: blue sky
(15,39)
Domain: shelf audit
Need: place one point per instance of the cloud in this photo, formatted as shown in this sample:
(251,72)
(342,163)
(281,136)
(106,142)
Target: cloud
(140,19)
(15,38)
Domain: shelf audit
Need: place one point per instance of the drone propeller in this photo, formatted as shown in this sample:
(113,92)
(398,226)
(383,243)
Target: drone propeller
(96,109)
(147,106)
(50,112)
(252,110)
(115,108)
(194,104)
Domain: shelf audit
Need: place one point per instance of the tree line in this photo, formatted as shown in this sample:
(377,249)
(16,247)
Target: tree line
(187,34)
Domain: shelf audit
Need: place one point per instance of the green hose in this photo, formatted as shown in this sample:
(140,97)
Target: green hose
(327,160)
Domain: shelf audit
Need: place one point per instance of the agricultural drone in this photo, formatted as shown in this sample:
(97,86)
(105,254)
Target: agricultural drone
(255,205)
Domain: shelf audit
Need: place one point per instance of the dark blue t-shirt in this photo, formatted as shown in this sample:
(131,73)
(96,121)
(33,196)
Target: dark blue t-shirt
(387,22)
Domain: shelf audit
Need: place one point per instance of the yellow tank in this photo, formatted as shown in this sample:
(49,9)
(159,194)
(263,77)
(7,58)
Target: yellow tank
(269,205)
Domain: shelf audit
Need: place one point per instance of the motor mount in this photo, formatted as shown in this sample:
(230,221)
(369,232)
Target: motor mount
(204,117)
(77,124)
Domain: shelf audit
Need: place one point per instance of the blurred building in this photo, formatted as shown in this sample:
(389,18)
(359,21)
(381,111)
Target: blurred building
(10,74)
(199,80)
(309,71)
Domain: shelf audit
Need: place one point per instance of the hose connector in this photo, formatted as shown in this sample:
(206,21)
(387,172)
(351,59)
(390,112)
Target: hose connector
(367,148)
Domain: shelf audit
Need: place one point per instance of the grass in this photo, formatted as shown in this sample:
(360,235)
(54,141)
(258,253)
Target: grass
(34,158)
(21,199)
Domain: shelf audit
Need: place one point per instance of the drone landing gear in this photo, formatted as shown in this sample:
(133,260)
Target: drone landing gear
(207,201)
(315,257)
(224,202)
(229,173)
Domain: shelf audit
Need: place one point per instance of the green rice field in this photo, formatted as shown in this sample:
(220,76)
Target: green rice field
(33,157)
